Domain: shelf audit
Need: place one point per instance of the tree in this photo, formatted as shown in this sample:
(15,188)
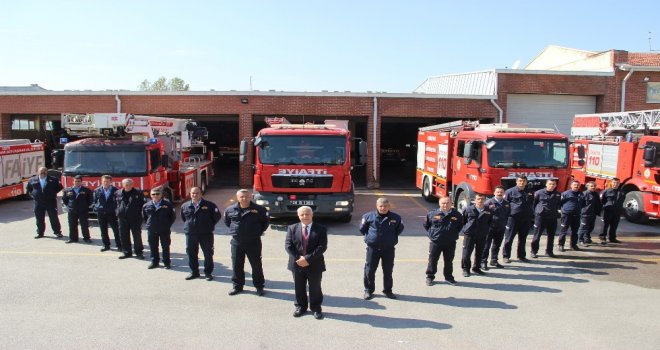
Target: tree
(162,84)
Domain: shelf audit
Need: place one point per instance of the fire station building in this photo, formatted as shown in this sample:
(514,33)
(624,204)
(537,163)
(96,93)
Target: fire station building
(548,92)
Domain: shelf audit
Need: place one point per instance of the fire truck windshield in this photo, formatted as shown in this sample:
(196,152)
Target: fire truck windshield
(97,163)
(302,150)
(528,153)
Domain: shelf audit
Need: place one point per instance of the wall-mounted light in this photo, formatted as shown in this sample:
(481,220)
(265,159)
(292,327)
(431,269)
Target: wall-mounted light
(646,79)
(244,101)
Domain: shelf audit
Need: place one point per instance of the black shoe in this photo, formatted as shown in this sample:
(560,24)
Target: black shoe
(496,264)
(523,259)
(589,241)
(615,240)
(390,295)
(484,267)
(58,235)
(603,242)
(125,256)
(550,254)
(451,282)
(574,247)
(478,271)
(192,276)
(299,311)
(235,291)
(429,282)
(71,241)
(318,315)
(260,292)
(368,295)
(209,277)
(140,256)
(561,248)
(534,255)
(38,236)
(167,266)
(118,248)
(105,248)
(153,265)
(466,273)
(87,240)
(506,260)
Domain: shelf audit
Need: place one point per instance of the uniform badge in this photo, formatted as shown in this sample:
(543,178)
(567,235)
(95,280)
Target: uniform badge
(71,194)
(254,211)
(437,217)
(453,218)
(392,221)
(164,206)
(205,207)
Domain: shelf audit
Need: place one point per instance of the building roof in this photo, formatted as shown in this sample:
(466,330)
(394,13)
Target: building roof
(482,83)
(567,59)
(31,88)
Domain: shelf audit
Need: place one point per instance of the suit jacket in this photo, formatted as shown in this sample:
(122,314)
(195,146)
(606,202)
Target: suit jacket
(103,205)
(44,196)
(77,204)
(316,245)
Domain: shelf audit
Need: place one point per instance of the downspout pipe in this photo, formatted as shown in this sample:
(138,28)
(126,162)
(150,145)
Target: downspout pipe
(118,103)
(623,90)
(500,112)
(375,134)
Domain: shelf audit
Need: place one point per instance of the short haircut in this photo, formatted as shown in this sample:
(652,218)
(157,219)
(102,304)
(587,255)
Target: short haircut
(158,190)
(479,195)
(382,200)
(616,179)
(78,177)
(127,181)
(304,208)
(551,180)
(243,190)
(106,177)
(591,183)
(443,197)
(575,182)
(499,187)
(523,177)
(195,187)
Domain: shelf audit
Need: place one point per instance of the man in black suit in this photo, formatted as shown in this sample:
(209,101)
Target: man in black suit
(104,206)
(77,200)
(43,189)
(305,244)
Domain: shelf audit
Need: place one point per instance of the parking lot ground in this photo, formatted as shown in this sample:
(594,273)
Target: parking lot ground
(72,296)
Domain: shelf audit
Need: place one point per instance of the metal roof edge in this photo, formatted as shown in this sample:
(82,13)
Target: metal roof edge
(554,72)
(627,67)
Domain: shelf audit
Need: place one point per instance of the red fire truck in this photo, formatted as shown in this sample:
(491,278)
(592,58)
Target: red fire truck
(623,145)
(153,151)
(19,160)
(304,164)
(462,158)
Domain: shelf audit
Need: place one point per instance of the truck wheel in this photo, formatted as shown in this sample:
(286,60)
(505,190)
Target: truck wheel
(633,208)
(463,201)
(345,218)
(427,193)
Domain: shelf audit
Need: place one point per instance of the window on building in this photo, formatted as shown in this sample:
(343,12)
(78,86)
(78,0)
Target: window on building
(22,124)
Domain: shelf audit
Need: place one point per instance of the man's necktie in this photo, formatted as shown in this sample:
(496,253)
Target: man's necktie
(305,238)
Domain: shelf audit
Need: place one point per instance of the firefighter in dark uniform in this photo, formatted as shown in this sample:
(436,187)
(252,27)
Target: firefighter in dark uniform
(77,200)
(247,222)
(500,208)
(199,218)
(158,215)
(547,203)
(105,206)
(570,215)
(612,201)
(381,229)
(43,189)
(591,207)
(129,202)
(522,213)
(442,226)
(477,219)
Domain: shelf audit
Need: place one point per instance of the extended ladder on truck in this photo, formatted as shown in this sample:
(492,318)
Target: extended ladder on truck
(617,123)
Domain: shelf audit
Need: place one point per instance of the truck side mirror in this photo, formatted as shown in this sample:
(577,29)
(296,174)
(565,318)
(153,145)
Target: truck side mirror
(468,151)
(649,155)
(580,151)
(242,155)
(362,149)
(56,158)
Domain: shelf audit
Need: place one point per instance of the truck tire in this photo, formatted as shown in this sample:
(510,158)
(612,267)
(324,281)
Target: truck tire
(463,201)
(633,208)
(427,193)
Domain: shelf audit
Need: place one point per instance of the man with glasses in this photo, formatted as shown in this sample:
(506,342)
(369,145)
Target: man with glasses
(158,214)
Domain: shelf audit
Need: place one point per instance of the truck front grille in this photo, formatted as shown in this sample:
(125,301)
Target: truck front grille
(293,181)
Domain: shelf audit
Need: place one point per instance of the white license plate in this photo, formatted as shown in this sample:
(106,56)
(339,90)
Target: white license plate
(302,202)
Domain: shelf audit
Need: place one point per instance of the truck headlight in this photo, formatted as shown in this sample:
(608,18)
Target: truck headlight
(261,202)
(341,203)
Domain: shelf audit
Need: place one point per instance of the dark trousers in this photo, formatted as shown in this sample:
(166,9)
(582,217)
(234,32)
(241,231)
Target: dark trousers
(126,228)
(611,217)
(74,219)
(493,243)
(569,222)
(301,279)
(40,215)
(251,249)
(517,225)
(164,237)
(476,244)
(193,243)
(448,250)
(549,225)
(374,255)
(587,224)
(106,219)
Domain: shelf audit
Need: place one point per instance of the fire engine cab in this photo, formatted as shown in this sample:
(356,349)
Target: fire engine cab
(623,145)
(19,160)
(153,151)
(461,158)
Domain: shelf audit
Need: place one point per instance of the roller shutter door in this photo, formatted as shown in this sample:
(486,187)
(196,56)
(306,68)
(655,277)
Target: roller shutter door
(548,111)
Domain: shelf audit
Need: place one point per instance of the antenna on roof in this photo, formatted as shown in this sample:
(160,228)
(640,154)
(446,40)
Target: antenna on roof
(650,39)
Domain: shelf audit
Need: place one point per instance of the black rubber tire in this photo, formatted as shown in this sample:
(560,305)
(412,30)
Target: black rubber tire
(427,193)
(462,201)
(633,208)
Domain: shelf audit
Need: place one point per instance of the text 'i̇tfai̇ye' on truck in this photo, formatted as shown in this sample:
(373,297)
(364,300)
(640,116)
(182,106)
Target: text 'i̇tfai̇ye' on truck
(459,159)
(19,161)
(304,164)
(152,151)
(623,145)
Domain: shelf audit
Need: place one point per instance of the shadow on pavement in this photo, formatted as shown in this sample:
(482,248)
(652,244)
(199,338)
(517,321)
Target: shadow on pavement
(387,322)
(459,302)
(504,287)
(537,277)
(567,270)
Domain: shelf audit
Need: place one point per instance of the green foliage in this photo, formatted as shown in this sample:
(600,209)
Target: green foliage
(162,84)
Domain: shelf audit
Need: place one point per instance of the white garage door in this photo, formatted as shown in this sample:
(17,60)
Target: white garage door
(548,111)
